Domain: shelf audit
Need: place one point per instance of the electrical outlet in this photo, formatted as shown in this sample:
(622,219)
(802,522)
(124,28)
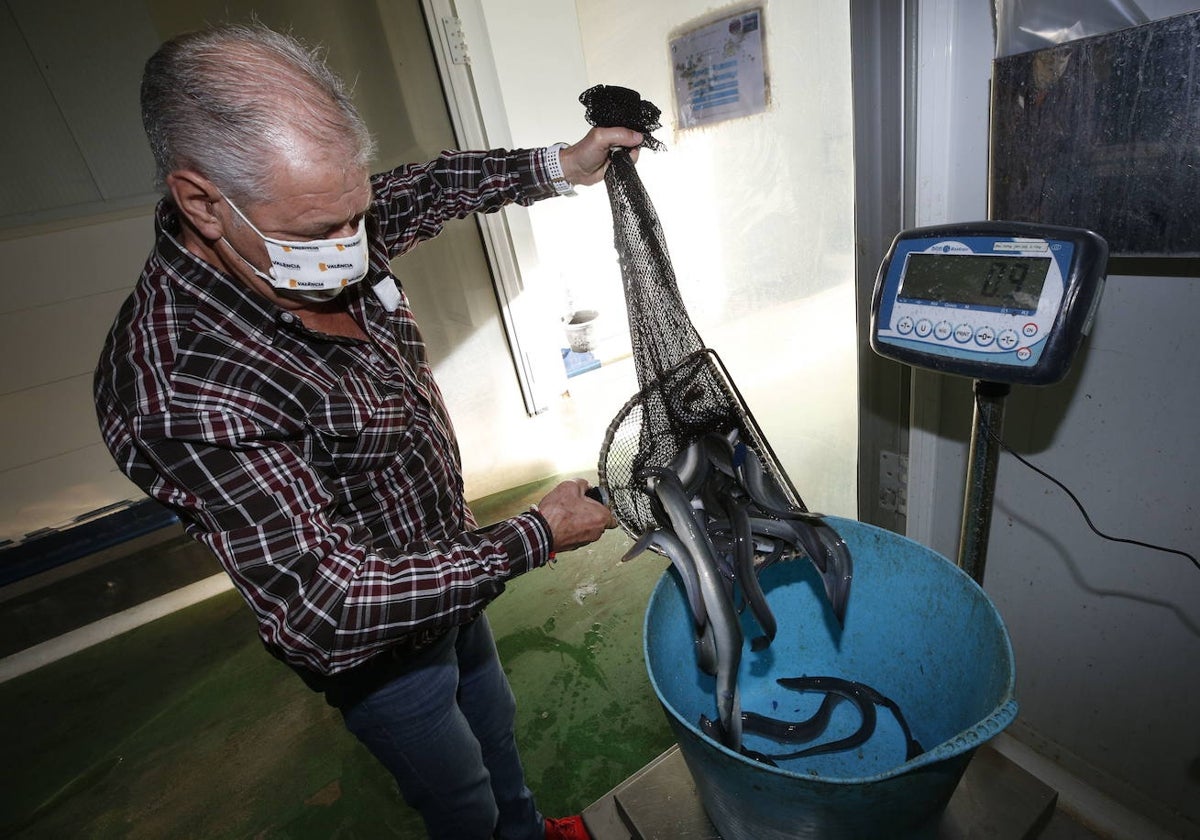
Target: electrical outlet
(893,482)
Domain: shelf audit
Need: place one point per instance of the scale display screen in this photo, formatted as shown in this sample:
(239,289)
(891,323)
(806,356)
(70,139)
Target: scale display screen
(1011,284)
(997,301)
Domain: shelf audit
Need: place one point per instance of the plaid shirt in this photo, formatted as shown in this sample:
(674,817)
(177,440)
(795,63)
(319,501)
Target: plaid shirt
(322,471)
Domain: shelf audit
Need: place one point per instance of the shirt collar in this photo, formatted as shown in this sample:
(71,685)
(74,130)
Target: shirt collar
(224,300)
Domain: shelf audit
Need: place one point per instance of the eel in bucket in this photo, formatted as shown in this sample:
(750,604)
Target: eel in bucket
(724,518)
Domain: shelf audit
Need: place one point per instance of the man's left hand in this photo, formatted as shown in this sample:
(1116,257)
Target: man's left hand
(586,161)
(574,519)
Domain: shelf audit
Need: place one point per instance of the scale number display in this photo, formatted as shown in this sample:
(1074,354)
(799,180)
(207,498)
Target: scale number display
(1004,283)
(992,300)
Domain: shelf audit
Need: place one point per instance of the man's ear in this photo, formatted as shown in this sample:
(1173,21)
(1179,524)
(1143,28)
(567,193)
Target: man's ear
(196,197)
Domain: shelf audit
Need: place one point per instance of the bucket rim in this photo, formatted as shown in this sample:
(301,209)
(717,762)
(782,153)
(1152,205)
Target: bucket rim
(969,739)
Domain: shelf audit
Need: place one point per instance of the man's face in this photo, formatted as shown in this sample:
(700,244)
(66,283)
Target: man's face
(314,197)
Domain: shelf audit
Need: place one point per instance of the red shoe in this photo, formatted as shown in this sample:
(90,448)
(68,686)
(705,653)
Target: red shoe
(566,828)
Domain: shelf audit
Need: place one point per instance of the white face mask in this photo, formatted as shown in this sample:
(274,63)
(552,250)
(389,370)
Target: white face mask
(316,270)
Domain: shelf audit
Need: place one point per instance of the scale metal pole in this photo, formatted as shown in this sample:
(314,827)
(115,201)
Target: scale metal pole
(981,477)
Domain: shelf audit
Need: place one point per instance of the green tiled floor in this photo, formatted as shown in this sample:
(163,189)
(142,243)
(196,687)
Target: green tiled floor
(187,728)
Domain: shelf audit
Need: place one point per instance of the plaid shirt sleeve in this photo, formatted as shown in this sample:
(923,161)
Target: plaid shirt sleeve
(323,474)
(419,199)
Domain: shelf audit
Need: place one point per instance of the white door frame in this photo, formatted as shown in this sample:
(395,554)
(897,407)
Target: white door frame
(476,107)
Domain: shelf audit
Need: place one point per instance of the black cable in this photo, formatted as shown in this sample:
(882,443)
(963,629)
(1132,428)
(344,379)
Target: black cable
(992,434)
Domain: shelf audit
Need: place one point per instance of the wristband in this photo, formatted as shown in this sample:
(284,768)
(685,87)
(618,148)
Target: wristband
(554,169)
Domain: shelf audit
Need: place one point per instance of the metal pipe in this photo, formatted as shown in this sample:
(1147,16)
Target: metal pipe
(981,477)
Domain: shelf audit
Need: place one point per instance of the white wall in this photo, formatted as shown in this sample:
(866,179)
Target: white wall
(1106,636)
(758,214)
(62,289)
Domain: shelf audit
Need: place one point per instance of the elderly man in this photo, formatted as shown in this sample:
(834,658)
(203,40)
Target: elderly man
(267,381)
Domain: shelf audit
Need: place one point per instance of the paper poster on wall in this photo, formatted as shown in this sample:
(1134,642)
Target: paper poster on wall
(719,69)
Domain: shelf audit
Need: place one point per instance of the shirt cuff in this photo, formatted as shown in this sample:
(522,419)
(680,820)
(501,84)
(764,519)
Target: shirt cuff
(558,180)
(538,174)
(526,539)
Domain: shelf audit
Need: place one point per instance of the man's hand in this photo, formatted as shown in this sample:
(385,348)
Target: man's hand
(575,520)
(585,162)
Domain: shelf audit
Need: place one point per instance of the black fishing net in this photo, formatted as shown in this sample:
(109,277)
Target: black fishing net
(685,390)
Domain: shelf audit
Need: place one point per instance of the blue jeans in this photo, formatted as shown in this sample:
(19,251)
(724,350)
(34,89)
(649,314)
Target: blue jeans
(445,731)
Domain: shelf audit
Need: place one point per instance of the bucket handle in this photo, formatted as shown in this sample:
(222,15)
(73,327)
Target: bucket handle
(968,739)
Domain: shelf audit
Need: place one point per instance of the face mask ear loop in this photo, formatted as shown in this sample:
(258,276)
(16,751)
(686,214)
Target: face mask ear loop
(257,271)
(242,216)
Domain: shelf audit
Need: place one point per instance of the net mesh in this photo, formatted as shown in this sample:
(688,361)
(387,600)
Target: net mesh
(685,391)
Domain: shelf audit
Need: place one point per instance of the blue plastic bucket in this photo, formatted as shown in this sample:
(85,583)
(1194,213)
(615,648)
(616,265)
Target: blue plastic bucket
(917,629)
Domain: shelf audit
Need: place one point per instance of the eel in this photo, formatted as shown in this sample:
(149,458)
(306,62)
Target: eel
(719,452)
(865,698)
(747,577)
(667,544)
(839,570)
(852,691)
(691,465)
(912,747)
(766,491)
(727,633)
(788,732)
(712,729)
(831,558)
(792,732)
(827,551)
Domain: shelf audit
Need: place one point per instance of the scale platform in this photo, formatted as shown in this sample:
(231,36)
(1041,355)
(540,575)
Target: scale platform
(995,800)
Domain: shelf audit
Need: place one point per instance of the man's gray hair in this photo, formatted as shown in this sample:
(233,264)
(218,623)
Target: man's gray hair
(224,101)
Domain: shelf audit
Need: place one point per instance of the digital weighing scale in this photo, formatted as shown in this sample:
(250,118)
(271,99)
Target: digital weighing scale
(1003,303)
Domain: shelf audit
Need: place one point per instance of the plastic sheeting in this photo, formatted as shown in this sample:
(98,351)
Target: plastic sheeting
(1024,25)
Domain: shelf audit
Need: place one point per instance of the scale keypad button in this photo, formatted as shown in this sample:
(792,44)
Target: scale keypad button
(905,325)
(984,336)
(1008,339)
(943,330)
(924,328)
(963,333)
